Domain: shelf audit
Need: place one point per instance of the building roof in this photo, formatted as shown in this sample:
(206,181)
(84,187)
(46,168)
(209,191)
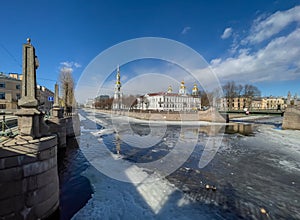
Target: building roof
(167,94)
(5,76)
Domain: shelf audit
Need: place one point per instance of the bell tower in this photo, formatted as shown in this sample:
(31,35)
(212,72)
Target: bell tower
(195,90)
(182,89)
(117,103)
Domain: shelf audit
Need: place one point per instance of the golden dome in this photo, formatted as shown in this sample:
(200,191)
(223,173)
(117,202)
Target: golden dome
(195,87)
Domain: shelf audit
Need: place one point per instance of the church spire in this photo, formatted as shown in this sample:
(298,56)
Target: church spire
(118,81)
(117,103)
(195,90)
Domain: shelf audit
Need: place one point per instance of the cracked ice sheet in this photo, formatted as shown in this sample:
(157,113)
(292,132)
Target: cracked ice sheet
(152,198)
(289,139)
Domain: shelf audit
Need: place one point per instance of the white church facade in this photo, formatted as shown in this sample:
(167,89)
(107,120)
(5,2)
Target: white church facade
(169,101)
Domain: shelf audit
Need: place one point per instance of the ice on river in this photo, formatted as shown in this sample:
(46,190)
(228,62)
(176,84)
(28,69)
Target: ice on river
(145,194)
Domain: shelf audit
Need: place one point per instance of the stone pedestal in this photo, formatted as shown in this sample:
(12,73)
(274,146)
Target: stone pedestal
(31,123)
(57,112)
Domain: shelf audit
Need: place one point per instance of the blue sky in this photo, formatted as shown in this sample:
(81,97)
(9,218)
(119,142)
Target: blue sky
(251,41)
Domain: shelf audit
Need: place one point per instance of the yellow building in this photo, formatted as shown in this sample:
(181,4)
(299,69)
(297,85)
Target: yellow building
(10,91)
(238,103)
(276,103)
(241,103)
(257,104)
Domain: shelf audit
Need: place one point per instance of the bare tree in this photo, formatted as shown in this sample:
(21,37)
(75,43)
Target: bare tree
(239,90)
(230,92)
(204,98)
(103,102)
(251,92)
(129,101)
(67,88)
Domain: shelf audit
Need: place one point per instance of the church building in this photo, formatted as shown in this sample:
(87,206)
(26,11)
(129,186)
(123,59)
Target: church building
(169,101)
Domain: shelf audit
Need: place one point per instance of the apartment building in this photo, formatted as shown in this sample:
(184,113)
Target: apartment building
(10,93)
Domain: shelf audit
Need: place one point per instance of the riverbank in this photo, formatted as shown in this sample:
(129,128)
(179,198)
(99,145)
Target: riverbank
(210,115)
(194,118)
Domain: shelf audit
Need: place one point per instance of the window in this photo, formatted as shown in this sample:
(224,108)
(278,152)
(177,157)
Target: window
(18,95)
(18,86)
(2,106)
(2,85)
(2,95)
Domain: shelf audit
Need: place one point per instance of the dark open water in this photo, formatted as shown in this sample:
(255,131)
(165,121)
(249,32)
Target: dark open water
(75,189)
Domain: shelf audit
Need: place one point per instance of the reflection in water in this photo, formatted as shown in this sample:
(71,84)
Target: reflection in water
(237,128)
(244,129)
(133,147)
(140,129)
(118,144)
(211,130)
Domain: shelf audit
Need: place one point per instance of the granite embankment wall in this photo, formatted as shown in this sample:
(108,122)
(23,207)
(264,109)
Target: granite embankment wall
(291,118)
(29,186)
(64,128)
(210,115)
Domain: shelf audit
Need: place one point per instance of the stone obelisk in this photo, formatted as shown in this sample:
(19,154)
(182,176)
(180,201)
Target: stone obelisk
(56,111)
(30,119)
(30,64)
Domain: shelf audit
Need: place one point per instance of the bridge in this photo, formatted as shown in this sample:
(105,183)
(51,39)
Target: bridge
(28,151)
(256,112)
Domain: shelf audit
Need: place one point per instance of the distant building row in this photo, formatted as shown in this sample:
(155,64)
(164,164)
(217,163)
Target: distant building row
(182,101)
(265,103)
(10,93)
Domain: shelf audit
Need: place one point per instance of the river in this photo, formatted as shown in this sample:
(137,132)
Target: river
(253,174)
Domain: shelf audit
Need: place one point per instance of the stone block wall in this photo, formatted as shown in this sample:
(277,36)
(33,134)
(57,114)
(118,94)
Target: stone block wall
(211,115)
(57,126)
(72,125)
(66,127)
(29,187)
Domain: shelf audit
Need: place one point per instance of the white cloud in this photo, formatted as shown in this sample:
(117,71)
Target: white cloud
(68,66)
(66,69)
(279,60)
(77,65)
(227,33)
(185,30)
(215,61)
(264,28)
